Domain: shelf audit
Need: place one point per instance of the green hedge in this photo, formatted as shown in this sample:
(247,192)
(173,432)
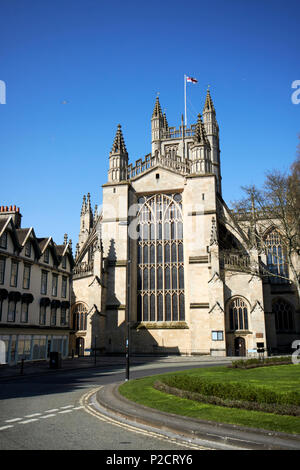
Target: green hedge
(255,362)
(290,410)
(231,391)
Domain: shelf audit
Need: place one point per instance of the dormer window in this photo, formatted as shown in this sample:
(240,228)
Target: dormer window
(64,262)
(28,249)
(3,240)
(46,256)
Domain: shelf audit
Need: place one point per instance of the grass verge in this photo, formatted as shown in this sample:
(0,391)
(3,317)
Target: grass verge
(281,378)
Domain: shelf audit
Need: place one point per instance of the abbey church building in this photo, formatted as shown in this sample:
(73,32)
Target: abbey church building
(163,253)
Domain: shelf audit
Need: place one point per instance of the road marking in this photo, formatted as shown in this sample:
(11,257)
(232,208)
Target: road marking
(50,414)
(28,421)
(85,400)
(6,427)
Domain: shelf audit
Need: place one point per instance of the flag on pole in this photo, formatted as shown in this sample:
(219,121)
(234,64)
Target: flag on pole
(191,79)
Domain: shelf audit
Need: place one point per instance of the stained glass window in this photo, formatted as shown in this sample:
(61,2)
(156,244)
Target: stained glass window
(160,259)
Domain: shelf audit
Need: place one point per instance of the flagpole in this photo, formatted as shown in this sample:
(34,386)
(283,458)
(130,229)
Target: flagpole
(185,121)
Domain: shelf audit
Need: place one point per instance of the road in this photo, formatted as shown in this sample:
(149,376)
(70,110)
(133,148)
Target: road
(48,413)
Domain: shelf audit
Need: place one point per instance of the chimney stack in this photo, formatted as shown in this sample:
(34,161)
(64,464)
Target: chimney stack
(14,212)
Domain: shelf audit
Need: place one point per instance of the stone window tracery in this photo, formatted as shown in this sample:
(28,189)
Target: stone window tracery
(80,317)
(276,257)
(160,258)
(284,316)
(238,314)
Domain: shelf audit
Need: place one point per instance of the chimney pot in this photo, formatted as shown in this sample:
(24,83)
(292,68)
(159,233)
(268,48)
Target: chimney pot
(14,208)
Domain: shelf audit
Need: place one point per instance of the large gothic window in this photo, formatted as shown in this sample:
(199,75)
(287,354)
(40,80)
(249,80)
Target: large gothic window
(284,316)
(276,257)
(238,314)
(160,258)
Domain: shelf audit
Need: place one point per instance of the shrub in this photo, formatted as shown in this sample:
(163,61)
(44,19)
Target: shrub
(231,391)
(256,362)
(290,410)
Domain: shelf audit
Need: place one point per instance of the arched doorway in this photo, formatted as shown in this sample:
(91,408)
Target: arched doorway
(79,346)
(239,346)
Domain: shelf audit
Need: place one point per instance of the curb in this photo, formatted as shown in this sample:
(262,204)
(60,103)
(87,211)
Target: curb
(231,435)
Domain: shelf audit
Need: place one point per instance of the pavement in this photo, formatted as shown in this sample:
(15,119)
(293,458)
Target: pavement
(42,367)
(109,401)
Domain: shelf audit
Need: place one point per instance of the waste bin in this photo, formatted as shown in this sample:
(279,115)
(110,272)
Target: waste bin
(55,360)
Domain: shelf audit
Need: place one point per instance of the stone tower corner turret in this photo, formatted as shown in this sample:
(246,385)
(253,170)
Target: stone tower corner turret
(86,219)
(158,125)
(118,159)
(200,150)
(212,132)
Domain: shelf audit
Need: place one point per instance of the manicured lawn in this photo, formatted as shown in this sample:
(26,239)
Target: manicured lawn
(279,378)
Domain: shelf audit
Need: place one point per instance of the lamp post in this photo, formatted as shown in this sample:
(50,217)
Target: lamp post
(95,349)
(127,350)
(127,315)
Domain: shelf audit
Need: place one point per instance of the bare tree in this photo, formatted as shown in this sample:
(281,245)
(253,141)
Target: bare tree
(275,207)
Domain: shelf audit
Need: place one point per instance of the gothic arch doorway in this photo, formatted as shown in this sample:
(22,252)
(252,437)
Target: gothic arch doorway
(79,346)
(239,346)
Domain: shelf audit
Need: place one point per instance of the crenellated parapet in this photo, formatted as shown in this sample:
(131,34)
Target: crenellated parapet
(177,163)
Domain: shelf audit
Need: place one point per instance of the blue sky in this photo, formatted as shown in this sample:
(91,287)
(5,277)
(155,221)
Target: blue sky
(75,69)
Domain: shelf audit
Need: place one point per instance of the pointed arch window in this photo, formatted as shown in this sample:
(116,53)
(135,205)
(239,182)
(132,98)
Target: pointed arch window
(160,263)
(238,314)
(284,316)
(276,258)
(80,317)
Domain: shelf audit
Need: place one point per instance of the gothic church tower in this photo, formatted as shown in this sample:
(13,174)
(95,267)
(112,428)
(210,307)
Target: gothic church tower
(167,248)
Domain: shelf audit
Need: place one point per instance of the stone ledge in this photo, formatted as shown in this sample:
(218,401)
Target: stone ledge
(198,259)
(176,325)
(116,307)
(200,305)
(120,262)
